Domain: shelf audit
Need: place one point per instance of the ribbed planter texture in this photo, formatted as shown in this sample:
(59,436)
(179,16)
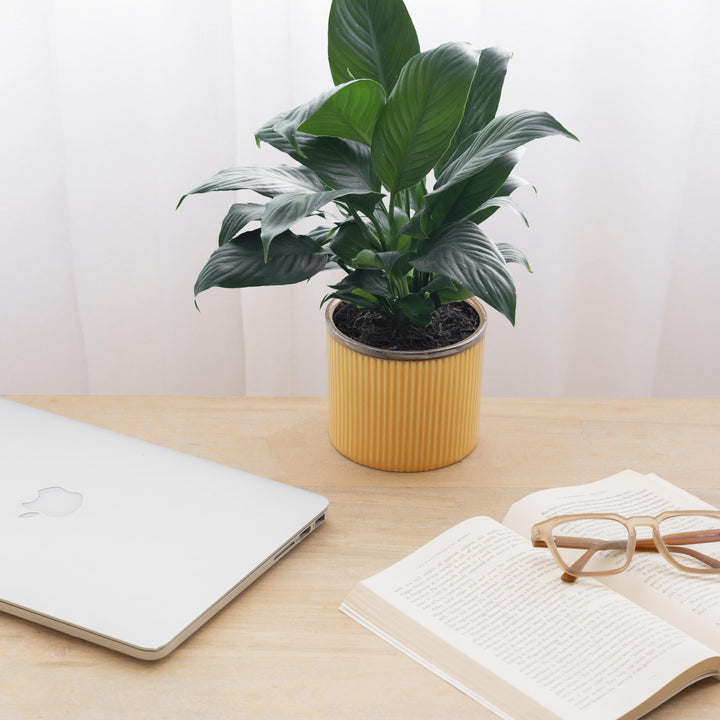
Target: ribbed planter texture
(404,410)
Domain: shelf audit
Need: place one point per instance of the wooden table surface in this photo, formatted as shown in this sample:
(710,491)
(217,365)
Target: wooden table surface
(282,649)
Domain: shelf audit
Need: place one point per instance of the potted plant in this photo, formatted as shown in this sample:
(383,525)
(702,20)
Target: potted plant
(405,325)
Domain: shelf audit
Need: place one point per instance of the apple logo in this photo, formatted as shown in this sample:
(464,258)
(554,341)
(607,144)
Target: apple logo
(54,502)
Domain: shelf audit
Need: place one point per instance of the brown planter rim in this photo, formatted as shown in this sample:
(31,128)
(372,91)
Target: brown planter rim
(445,351)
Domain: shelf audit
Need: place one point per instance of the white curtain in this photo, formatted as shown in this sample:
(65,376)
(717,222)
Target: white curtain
(111,111)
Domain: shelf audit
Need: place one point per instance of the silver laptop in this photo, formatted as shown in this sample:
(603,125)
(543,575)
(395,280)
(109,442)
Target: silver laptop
(127,544)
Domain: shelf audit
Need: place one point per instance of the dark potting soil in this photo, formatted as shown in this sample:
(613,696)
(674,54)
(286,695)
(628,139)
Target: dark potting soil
(450,324)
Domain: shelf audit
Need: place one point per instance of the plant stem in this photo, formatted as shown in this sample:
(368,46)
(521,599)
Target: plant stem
(393,285)
(421,279)
(342,265)
(378,228)
(391,219)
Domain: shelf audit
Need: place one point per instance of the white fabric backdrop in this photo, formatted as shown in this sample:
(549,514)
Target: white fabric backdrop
(112,110)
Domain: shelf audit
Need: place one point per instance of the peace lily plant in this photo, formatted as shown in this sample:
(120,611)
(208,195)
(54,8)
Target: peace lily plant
(369,148)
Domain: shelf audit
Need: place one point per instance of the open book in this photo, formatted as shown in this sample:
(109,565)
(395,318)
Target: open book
(486,611)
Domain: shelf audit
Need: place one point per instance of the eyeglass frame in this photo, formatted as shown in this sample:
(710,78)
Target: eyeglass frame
(541,536)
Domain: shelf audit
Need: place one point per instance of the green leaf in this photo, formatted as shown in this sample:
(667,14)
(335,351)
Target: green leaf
(241,262)
(483,99)
(417,308)
(347,111)
(370,39)
(446,291)
(367,259)
(400,219)
(321,234)
(350,112)
(508,187)
(422,114)
(389,261)
(285,125)
(414,228)
(339,163)
(463,253)
(504,202)
(512,184)
(404,242)
(373,282)
(269,181)
(396,261)
(283,211)
(239,215)
(512,254)
(497,138)
(485,91)
(348,241)
(268,133)
(356,297)
(462,200)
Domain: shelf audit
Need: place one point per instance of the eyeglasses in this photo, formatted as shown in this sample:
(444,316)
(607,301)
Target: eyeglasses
(594,544)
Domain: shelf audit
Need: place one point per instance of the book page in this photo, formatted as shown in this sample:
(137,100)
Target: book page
(580,650)
(690,602)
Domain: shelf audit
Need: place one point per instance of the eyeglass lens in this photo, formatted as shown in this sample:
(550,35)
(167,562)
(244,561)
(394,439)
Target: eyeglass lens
(592,544)
(692,540)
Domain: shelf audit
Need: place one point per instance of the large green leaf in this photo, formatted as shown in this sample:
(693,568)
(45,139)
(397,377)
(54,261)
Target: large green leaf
(485,91)
(239,215)
(350,112)
(283,211)
(269,133)
(339,163)
(285,125)
(463,253)
(270,181)
(483,99)
(462,200)
(370,39)
(498,137)
(241,262)
(422,114)
(465,200)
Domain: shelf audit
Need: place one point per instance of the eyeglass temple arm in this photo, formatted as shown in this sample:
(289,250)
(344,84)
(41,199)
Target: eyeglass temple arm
(694,537)
(671,541)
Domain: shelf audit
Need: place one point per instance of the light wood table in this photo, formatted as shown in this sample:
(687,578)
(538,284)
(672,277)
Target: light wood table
(282,649)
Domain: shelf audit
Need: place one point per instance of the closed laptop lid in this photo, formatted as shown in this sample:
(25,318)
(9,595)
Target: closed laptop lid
(128,544)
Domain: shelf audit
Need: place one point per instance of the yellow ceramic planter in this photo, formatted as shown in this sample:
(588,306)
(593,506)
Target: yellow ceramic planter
(404,410)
